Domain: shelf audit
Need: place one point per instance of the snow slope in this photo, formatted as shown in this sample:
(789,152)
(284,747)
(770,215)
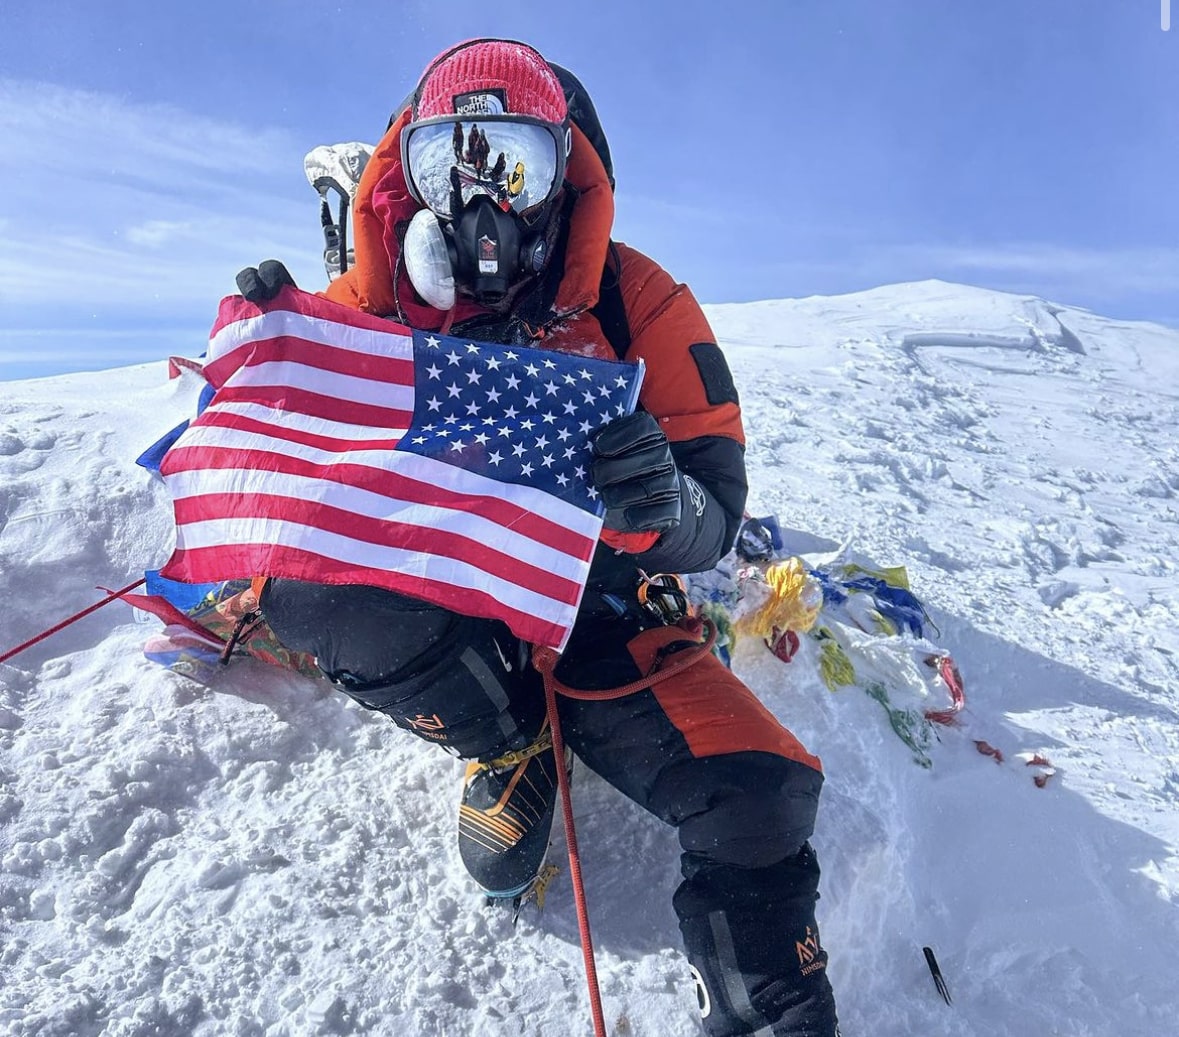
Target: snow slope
(267,858)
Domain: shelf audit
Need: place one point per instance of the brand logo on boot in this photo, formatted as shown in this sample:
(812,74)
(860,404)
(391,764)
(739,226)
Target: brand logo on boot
(810,952)
(424,723)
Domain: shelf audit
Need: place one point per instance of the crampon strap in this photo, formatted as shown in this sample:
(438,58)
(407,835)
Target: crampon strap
(517,756)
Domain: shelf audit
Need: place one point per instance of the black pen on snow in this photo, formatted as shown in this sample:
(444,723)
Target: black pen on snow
(938,979)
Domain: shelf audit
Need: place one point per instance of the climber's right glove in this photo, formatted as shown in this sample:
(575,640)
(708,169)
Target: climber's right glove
(636,475)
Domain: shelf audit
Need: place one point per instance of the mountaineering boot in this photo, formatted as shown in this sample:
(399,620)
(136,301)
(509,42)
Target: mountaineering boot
(753,943)
(506,816)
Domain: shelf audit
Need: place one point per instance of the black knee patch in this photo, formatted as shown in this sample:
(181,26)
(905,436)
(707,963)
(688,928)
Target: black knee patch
(746,809)
(462,695)
(450,679)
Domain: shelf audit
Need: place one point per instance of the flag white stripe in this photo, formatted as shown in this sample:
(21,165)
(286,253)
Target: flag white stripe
(412,466)
(319,330)
(217,438)
(185,485)
(289,374)
(216,532)
(294,421)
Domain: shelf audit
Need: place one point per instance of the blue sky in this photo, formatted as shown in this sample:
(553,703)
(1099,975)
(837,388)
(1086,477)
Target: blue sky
(762,150)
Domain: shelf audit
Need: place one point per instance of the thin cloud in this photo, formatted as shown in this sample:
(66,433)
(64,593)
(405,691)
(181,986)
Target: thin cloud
(1146,270)
(135,273)
(140,209)
(1136,281)
(28,351)
(50,128)
(155,233)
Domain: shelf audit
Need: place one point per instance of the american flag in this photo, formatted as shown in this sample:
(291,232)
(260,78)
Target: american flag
(341,448)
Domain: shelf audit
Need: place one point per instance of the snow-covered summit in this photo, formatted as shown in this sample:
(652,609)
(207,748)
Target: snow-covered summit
(931,312)
(266,858)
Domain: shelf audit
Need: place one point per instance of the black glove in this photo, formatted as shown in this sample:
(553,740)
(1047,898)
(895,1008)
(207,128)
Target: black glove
(636,475)
(263,282)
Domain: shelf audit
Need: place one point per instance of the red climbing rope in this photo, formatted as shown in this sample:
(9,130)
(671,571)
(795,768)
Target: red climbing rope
(113,596)
(545,660)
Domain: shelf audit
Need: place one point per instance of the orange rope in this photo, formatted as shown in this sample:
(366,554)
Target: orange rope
(545,660)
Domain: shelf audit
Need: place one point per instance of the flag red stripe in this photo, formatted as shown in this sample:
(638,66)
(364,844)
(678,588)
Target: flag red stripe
(315,405)
(382,532)
(243,423)
(386,483)
(234,308)
(233,561)
(295,349)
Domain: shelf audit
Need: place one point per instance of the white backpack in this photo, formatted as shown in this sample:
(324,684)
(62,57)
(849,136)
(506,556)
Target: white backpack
(336,168)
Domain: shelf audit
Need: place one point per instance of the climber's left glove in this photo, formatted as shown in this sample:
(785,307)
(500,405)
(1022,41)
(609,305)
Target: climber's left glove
(263,282)
(636,475)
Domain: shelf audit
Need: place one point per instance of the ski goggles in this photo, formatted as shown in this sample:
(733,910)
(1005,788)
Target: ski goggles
(517,161)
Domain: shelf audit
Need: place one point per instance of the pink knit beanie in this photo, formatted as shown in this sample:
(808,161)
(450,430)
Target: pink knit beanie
(491,77)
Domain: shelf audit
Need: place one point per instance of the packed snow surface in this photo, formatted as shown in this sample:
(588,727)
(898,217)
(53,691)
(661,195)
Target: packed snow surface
(264,857)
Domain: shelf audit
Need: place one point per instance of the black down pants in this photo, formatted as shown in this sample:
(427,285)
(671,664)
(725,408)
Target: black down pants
(698,750)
